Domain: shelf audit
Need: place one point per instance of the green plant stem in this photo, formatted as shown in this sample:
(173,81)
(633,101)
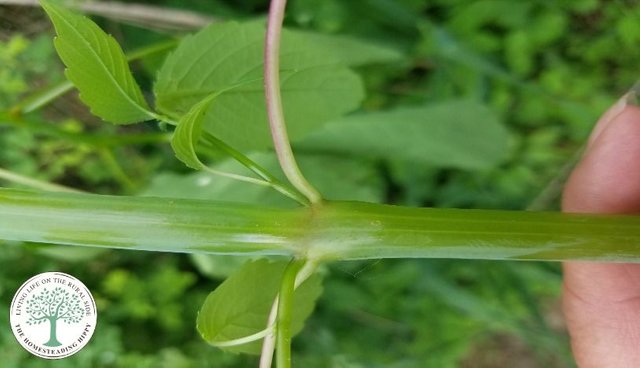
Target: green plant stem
(285,307)
(275,111)
(334,231)
(33,183)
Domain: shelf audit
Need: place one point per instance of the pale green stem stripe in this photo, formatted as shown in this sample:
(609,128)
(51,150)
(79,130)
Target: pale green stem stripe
(334,231)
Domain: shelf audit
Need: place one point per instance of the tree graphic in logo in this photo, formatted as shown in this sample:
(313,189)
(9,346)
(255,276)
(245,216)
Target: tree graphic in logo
(54,306)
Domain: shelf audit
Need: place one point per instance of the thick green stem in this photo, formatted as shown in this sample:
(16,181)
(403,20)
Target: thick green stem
(334,231)
(285,309)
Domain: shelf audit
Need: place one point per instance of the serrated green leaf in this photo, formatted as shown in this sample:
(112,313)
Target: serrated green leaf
(336,178)
(97,66)
(461,134)
(227,59)
(240,306)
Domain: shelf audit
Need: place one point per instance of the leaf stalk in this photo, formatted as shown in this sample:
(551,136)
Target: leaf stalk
(275,110)
(285,310)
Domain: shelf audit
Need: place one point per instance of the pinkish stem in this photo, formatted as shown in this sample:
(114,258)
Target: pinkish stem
(274,104)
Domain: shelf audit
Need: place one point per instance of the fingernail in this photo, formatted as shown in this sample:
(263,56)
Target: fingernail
(629,98)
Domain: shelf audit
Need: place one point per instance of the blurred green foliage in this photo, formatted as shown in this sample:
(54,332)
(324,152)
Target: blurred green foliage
(547,68)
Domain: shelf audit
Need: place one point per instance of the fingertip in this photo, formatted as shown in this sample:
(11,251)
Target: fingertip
(601,300)
(607,179)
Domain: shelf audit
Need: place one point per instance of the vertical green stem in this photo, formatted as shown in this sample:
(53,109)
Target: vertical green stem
(274,103)
(285,307)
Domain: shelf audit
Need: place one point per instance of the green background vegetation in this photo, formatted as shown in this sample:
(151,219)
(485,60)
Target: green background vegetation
(546,68)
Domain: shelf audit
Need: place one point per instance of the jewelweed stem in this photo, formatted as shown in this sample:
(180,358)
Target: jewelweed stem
(333,231)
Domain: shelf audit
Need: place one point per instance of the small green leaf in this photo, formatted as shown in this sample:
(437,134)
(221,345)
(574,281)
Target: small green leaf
(97,66)
(186,138)
(227,58)
(462,134)
(187,134)
(240,306)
